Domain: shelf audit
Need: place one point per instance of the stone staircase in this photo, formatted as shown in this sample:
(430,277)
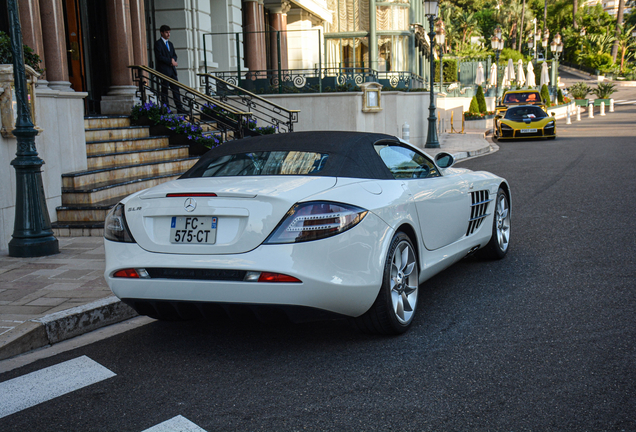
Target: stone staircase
(122,159)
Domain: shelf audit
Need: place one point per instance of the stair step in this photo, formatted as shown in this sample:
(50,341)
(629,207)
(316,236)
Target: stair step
(115,133)
(124,145)
(78,230)
(86,213)
(83,179)
(108,160)
(106,121)
(98,192)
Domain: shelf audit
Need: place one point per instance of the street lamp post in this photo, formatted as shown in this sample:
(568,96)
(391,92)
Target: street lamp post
(544,42)
(440,37)
(497,45)
(430,10)
(32,233)
(557,48)
(534,21)
(531,43)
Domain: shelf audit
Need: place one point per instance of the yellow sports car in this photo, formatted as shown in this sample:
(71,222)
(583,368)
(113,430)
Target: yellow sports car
(520,97)
(525,121)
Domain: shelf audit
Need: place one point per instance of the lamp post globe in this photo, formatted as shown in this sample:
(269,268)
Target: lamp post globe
(430,10)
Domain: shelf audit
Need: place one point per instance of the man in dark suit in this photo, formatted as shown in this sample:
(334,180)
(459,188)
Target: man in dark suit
(166,58)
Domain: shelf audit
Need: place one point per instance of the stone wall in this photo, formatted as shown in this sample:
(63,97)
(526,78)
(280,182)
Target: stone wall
(62,146)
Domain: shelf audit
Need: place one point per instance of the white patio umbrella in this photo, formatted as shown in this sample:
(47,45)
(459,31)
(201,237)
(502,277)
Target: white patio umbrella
(505,82)
(492,77)
(479,79)
(545,75)
(521,77)
(532,81)
(511,70)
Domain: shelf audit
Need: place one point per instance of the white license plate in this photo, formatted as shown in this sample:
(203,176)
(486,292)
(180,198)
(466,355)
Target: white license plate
(193,229)
(527,130)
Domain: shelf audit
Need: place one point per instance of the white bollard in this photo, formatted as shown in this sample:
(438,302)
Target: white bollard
(578,113)
(602,108)
(611,105)
(567,115)
(590,110)
(406,132)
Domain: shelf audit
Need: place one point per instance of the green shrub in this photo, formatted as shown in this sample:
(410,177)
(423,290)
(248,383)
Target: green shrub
(545,94)
(474,106)
(450,70)
(481,100)
(560,97)
(579,90)
(604,90)
(6,57)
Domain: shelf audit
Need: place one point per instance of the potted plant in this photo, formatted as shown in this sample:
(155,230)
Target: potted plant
(603,92)
(579,92)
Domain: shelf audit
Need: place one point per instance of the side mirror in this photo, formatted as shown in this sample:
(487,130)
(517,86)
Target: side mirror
(444,160)
(498,116)
(553,114)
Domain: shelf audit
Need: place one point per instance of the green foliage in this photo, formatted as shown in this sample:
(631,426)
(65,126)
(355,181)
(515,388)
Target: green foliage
(560,97)
(579,90)
(545,93)
(450,70)
(30,56)
(602,62)
(474,106)
(509,53)
(481,100)
(486,21)
(474,52)
(604,90)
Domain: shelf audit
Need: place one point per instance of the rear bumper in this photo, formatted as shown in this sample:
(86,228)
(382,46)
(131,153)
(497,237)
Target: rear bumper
(340,274)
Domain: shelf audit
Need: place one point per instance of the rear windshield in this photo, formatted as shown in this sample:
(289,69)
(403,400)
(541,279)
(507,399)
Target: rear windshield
(262,163)
(525,112)
(524,97)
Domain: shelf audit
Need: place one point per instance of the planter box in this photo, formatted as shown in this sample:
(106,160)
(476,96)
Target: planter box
(597,102)
(485,123)
(580,102)
(175,139)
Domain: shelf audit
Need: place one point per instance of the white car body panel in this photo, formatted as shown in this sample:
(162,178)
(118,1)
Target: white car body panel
(341,274)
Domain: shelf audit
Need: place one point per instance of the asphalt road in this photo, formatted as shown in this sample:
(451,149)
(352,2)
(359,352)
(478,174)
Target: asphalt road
(542,340)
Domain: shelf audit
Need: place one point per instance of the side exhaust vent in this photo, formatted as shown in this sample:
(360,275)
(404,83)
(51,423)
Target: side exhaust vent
(480,200)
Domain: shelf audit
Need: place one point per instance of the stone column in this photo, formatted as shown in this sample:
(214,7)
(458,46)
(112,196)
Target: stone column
(260,27)
(277,22)
(138,21)
(32,29)
(121,95)
(251,40)
(54,41)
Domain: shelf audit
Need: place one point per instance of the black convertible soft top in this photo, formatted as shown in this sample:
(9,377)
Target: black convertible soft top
(351,154)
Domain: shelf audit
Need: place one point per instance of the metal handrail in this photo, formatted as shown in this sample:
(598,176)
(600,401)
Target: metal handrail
(197,104)
(269,113)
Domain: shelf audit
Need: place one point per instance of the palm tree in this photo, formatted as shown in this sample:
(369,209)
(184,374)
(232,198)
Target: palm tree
(619,23)
(467,24)
(626,43)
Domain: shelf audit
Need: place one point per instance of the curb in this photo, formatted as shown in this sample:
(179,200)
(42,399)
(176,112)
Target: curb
(66,324)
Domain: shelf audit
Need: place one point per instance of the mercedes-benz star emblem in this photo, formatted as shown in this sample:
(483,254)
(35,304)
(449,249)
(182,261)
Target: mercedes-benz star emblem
(190,204)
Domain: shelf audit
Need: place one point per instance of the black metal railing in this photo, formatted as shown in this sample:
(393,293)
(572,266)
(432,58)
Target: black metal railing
(266,115)
(318,80)
(195,107)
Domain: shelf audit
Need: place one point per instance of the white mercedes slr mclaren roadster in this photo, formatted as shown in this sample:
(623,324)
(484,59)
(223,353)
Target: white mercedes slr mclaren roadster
(306,224)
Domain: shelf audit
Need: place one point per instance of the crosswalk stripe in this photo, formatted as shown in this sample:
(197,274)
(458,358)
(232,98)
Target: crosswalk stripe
(45,384)
(176,424)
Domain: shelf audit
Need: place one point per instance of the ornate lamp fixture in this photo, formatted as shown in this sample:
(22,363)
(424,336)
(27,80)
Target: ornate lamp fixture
(430,10)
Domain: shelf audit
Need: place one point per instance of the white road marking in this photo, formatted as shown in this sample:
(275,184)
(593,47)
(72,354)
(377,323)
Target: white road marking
(176,424)
(625,102)
(45,384)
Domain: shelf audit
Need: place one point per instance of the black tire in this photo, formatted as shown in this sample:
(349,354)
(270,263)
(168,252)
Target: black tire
(499,243)
(392,315)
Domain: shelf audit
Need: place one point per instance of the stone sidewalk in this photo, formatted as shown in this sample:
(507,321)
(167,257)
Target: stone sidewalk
(49,299)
